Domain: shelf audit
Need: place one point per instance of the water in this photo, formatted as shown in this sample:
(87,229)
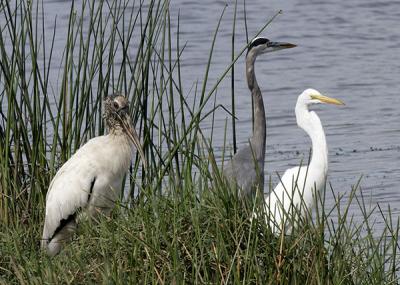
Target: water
(347,49)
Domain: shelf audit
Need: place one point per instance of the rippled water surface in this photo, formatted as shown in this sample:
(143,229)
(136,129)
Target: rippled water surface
(346,49)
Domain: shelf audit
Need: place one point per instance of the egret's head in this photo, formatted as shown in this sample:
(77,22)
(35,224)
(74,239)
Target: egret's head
(312,96)
(116,115)
(263,45)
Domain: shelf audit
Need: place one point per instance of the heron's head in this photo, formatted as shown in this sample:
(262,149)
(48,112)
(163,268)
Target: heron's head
(312,96)
(116,115)
(263,45)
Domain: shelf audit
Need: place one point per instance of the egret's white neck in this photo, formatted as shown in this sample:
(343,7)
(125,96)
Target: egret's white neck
(311,124)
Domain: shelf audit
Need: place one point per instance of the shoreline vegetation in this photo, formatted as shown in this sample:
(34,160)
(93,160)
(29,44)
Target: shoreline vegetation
(181,222)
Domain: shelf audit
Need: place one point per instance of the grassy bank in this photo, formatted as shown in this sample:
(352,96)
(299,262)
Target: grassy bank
(198,231)
(205,238)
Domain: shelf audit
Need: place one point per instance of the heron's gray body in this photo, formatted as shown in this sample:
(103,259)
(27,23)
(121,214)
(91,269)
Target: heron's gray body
(246,169)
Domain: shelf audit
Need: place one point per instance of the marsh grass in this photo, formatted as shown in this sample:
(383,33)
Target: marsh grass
(186,225)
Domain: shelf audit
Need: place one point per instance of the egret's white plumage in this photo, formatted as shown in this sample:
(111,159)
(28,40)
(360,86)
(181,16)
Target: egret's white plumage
(295,193)
(91,180)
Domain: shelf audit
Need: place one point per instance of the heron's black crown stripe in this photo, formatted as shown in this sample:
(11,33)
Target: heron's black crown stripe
(258,41)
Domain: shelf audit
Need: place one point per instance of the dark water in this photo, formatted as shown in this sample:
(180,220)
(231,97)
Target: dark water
(347,49)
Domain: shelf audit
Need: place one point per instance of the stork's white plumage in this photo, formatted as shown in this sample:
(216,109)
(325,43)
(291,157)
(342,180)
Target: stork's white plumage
(91,180)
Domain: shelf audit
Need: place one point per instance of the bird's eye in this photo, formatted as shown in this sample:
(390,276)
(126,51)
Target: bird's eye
(116,106)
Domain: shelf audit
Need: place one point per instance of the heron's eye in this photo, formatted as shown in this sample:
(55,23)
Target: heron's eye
(116,106)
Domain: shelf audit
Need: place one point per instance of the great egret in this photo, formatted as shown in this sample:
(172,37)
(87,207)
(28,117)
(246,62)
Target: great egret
(91,179)
(246,168)
(295,193)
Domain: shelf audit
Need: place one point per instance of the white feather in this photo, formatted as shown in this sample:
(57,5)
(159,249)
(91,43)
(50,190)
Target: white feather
(103,161)
(295,194)
(292,196)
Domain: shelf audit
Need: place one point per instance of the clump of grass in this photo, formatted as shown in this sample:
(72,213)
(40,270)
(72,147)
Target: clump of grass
(186,225)
(207,238)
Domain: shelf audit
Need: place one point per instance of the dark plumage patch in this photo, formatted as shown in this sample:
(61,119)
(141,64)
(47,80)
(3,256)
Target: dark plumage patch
(91,189)
(257,42)
(62,224)
(71,217)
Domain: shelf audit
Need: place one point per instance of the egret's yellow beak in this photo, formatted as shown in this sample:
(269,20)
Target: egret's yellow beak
(328,100)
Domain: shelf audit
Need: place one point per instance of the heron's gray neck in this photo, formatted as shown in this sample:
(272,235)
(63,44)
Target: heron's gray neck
(250,73)
(311,124)
(258,139)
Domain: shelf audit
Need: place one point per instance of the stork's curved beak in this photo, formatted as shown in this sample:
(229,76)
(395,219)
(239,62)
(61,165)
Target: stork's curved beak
(280,45)
(131,132)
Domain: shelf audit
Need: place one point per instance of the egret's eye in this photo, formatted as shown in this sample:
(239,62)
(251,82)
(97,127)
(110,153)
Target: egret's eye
(116,106)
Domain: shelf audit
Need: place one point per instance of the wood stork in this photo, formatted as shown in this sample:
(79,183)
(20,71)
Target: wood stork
(91,180)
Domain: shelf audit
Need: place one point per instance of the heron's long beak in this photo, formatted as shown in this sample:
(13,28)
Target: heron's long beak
(328,100)
(131,132)
(281,45)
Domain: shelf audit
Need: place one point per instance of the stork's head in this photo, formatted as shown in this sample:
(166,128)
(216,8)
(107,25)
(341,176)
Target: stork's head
(116,115)
(263,45)
(116,111)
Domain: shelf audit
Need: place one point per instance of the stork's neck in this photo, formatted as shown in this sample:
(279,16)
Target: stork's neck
(117,132)
(258,139)
(123,150)
(311,124)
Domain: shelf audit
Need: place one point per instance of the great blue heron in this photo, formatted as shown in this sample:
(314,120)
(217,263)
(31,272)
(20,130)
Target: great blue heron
(246,169)
(91,180)
(295,193)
